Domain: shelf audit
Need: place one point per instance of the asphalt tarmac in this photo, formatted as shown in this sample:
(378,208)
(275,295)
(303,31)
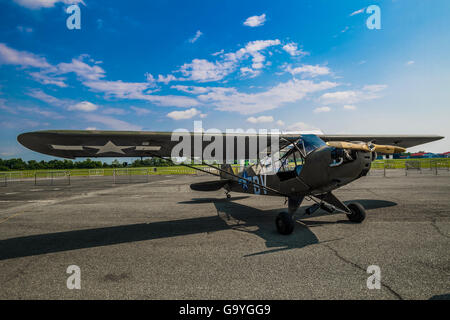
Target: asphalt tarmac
(161,240)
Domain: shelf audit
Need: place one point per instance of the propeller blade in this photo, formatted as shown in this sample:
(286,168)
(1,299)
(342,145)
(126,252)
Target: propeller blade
(366,147)
(349,145)
(388,149)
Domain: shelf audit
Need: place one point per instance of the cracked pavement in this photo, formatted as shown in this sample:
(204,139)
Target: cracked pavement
(161,240)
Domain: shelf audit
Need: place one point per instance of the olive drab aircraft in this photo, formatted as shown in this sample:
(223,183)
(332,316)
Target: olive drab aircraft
(303,166)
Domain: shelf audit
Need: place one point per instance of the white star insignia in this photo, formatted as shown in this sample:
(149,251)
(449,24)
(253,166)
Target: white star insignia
(110,147)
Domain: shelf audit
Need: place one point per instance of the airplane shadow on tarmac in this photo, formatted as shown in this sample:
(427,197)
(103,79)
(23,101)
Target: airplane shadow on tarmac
(230,215)
(262,223)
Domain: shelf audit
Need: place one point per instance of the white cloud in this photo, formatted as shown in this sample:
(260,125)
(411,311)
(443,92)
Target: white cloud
(183,115)
(217,53)
(348,96)
(91,77)
(166,79)
(322,109)
(202,70)
(84,106)
(119,89)
(41,95)
(280,123)
(6,108)
(357,12)
(349,107)
(48,74)
(229,99)
(38,4)
(44,78)
(138,91)
(91,128)
(253,49)
(310,70)
(42,112)
(22,58)
(192,89)
(301,126)
(261,119)
(292,49)
(111,123)
(195,38)
(411,62)
(150,78)
(255,21)
(81,69)
(248,72)
(368,92)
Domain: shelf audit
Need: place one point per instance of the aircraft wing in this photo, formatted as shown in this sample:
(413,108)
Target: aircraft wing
(93,143)
(404,141)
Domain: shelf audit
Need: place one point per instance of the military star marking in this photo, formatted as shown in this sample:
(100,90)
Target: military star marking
(110,147)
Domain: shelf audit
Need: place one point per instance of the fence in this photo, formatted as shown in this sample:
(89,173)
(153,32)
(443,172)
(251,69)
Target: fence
(382,167)
(130,175)
(141,174)
(52,178)
(96,172)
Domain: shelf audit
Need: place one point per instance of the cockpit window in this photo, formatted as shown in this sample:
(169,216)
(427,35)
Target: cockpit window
(291,157)
(302,147)
(310,142)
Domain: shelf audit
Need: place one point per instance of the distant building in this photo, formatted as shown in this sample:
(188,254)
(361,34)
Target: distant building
(426,155)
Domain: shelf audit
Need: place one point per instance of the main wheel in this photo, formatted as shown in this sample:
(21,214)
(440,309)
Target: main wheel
(358,212)
(284,223)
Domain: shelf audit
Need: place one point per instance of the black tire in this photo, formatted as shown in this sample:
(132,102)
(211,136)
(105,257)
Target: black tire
(285,223)
(358,213)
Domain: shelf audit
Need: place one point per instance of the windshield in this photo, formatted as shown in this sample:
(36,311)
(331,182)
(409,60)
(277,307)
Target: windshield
(310,142)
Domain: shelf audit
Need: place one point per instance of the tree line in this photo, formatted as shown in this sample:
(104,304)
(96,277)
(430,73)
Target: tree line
(19,164)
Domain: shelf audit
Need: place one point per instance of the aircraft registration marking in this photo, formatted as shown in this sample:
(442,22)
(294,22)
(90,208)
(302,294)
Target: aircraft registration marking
(258,180)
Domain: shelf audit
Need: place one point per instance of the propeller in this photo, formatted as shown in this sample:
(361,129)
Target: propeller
(368,147)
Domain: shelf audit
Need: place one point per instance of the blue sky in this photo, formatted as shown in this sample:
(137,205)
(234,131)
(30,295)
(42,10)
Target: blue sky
(160,65)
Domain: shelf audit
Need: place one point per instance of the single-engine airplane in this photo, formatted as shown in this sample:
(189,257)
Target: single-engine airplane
(306,165)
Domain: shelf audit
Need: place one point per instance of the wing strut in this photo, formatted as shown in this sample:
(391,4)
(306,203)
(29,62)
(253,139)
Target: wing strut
(226,172)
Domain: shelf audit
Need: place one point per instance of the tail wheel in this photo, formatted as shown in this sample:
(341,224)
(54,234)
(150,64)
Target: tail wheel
(358,212)
(285,223)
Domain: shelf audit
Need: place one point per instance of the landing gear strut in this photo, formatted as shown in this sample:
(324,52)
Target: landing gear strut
(355,211)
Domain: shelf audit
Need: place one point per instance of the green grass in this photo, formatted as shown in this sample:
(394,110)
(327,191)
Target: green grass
(100,172)
(441,163)
(401,163)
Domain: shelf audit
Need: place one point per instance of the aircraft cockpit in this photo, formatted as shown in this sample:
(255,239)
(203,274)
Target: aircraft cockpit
(293,156)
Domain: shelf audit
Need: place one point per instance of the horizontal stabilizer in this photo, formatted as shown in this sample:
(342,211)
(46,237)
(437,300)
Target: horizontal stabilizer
(209,185)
